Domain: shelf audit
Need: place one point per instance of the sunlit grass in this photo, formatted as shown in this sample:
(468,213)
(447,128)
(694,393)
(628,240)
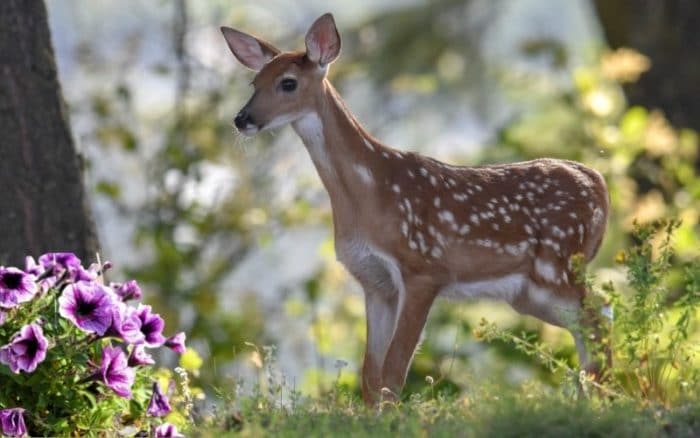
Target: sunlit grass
(651,390)
(484,410)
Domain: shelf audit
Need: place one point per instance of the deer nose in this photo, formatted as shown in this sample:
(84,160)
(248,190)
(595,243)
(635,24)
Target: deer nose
(243,119)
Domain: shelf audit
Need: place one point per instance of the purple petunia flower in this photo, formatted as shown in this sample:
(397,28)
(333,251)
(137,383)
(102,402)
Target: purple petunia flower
(167,430)
(16,287)
(12,422)
(115,372)
(127,291)
(176,342)
(26,350)
(159,405)
(151,326)
(126,324)
(60,263)
(88,306)
(44,279)
(3,317)
(32,267)
(139,356)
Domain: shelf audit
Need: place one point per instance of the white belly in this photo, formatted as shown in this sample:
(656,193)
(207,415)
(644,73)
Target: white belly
(505,288)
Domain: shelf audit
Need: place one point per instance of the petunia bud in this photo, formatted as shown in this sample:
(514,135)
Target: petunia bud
(159,405)
(176,342)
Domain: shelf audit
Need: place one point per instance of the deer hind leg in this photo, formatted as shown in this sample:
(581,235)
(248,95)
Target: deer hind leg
(412,316)
(381,309)
(592,338)
(563,305)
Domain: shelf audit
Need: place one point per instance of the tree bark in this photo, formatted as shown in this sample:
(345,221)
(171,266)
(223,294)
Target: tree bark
(42,200)
(666,32)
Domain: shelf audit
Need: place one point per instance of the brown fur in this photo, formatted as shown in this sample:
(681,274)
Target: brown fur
(410,228)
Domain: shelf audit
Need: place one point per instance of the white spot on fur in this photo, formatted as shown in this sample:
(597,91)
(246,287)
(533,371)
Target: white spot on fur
(436,202)
(441,239)
(396,188)
(597,217)
(446,216)
(421,242)
(558,232)
(364,173)
(545,270)
(552,244)
(369,145)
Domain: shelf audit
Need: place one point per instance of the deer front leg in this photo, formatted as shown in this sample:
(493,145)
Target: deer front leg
(380,309)
(412,316)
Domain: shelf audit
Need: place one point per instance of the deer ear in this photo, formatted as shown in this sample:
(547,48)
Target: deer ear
(323,41)
(250,51)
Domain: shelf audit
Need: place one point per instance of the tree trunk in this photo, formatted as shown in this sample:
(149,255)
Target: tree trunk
(43,203)
(666,32)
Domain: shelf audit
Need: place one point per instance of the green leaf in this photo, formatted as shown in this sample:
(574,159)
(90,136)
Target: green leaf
(633,123)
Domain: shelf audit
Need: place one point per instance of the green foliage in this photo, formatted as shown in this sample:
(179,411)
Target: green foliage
(655,353)
(75,385)
(483,409)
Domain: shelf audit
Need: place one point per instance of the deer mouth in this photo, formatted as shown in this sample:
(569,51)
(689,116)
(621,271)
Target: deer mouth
(249,130)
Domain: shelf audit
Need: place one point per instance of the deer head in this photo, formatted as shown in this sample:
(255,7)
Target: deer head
(287,84)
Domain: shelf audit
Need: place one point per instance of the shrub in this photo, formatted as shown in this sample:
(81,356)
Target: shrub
(75,354)
(654,349)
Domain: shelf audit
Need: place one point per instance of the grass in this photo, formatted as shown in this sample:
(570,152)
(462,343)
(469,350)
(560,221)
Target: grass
(485,411)
(651,391)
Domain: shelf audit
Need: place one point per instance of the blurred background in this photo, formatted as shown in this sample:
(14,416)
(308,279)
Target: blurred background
(231,237)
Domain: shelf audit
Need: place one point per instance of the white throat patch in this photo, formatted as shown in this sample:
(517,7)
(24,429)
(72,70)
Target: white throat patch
(310,129)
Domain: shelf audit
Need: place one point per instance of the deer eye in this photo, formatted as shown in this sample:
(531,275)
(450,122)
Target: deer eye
(288,84)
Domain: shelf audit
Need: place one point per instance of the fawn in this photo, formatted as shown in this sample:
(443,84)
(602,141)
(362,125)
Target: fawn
(410,228)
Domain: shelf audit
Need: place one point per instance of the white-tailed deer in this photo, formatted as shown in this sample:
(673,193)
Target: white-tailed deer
(410,228)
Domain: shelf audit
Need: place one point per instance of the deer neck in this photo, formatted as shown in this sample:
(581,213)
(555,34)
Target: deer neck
(344,154)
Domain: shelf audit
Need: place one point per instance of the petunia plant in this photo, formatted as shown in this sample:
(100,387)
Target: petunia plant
(75,353)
